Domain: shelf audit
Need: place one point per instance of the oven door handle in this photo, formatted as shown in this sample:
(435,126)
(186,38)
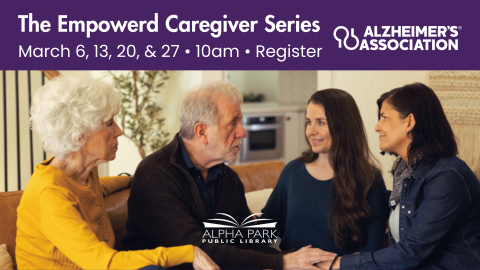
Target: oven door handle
(257,127)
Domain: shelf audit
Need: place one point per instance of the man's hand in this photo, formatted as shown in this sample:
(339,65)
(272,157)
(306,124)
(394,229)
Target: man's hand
(306,257)
(203,261)
(326,265)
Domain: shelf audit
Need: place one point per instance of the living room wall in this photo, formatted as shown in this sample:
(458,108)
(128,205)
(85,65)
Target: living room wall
(366,87)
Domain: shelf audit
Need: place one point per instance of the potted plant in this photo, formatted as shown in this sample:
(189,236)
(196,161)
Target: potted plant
(139,115)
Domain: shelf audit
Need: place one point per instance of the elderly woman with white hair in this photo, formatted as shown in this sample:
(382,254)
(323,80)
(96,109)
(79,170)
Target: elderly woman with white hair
(62,222)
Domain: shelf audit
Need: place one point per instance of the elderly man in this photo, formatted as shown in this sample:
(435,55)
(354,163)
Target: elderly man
(185,183)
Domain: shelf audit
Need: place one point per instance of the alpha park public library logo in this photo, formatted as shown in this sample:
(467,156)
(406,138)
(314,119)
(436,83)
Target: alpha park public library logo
(232,232)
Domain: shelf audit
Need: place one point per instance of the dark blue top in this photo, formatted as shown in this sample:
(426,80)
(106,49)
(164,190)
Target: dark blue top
(439,221)
(300,204)
(206,189)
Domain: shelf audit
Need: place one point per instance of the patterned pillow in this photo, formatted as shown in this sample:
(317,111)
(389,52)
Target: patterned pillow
(5,259)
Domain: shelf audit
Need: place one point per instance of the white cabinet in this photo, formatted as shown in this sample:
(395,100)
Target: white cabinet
(294,135)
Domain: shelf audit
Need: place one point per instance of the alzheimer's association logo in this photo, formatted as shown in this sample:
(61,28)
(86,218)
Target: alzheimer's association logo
(237,225)
(405,38)
(346,37)
(230,231)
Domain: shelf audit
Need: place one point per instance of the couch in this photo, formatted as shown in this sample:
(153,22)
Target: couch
(255,177)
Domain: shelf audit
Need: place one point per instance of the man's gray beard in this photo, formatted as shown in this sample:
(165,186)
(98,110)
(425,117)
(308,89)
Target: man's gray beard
(233,156)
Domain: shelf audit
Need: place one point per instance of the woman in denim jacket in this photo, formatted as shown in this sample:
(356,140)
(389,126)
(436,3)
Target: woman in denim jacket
(435,202)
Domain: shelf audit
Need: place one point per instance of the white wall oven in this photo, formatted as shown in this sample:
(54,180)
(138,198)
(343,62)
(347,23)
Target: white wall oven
(265,135)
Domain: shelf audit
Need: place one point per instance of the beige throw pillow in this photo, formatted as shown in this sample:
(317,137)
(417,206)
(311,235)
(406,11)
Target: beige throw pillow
(5,259)
(256,200)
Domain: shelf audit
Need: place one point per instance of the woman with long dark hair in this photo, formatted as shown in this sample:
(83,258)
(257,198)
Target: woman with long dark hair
(333,196)
(435,202)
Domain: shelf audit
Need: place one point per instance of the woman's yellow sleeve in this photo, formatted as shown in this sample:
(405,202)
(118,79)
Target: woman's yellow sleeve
(62,224)
(111,184)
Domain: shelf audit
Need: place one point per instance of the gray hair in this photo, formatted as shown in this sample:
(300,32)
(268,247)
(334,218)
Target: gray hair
(67,110)
(199,106)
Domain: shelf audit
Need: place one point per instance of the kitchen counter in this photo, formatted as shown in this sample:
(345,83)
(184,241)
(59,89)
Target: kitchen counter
(270,107)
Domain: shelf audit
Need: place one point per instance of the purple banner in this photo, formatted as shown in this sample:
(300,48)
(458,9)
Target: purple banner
(243,35)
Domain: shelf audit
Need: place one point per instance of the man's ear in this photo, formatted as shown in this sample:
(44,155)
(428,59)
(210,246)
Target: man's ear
(200,130)
(410,122)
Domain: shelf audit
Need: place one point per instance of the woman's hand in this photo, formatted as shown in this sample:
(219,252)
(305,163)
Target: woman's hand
(203,261)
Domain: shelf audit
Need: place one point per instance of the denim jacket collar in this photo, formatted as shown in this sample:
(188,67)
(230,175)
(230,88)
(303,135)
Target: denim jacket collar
(421,170)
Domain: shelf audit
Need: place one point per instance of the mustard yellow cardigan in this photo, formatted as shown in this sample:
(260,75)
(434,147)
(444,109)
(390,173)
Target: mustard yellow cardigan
(63,225)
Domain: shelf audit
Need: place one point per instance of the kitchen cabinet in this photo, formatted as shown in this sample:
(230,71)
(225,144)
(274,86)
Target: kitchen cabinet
(294,135)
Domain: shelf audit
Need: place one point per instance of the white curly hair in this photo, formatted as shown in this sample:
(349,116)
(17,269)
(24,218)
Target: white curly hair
(199,106)
(67,110)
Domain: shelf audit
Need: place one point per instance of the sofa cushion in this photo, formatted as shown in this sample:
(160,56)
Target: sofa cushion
(5,258)
(258,176)
(117,210)
(9,202)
